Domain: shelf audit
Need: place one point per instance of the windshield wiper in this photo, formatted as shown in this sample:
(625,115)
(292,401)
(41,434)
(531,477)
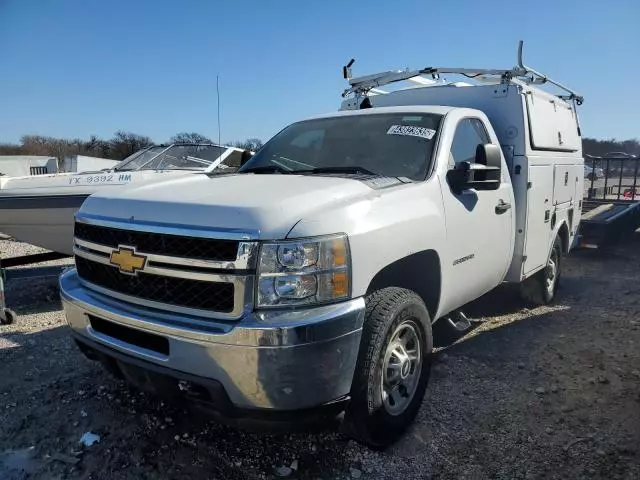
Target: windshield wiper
(354,170)
(266,169)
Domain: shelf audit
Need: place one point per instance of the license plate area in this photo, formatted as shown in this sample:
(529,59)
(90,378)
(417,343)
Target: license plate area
(132,336)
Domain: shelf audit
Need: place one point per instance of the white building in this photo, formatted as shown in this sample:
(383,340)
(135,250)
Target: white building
(24,165)
(21,165)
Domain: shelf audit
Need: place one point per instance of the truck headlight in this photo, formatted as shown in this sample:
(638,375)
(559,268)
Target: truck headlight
(304,272)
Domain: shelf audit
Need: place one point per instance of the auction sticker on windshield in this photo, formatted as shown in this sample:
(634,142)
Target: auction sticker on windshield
(118,178)
(412,131)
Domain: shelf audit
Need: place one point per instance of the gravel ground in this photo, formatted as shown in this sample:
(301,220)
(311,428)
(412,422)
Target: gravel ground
(551,392)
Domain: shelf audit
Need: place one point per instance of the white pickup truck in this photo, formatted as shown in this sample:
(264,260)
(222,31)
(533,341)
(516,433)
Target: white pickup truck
(307,282)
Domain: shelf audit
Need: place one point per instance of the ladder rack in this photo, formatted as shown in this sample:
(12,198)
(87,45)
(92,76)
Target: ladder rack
(363,85)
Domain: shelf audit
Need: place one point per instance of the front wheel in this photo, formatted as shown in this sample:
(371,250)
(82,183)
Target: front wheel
(392,369)
(541,288)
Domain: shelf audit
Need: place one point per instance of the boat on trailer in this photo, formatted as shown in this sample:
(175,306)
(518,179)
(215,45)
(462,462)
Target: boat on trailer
(40,209)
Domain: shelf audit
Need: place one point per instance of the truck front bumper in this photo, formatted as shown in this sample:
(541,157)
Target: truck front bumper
(267,362)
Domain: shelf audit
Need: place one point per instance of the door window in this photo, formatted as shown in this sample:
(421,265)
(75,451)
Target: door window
(470,133)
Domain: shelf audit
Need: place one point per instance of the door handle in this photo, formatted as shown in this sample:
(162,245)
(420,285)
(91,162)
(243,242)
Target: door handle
(502,207)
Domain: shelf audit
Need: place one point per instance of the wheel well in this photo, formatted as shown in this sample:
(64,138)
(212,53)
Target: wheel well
(418,272)
(563,233)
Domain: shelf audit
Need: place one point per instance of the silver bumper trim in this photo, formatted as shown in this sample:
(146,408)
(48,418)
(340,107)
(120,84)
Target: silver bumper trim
(277,359)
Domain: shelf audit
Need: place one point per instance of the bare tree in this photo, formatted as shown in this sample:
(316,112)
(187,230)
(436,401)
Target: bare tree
(35,145)
(192,137)
(97,147)
(53,147)
(60,148)
(252,144)
(124,144)
(602,147)
(11,149)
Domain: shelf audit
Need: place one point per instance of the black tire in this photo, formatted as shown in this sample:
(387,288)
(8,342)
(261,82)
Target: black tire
(592,177)
(7,317)
(536,289)
(388,311)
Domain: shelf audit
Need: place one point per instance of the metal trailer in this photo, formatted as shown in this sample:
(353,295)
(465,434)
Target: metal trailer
(8,316)
(611,205)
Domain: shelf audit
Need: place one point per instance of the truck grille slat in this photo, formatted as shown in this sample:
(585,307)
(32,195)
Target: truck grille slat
(160,243)
(182,292)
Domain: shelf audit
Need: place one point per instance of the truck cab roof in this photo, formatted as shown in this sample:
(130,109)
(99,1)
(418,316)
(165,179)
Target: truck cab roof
(435,109)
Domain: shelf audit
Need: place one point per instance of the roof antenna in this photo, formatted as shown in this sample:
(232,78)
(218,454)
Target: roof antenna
(218,97)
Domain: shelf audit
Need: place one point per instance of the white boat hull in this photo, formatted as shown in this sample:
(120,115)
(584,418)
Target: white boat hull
(50,228)
(40,209)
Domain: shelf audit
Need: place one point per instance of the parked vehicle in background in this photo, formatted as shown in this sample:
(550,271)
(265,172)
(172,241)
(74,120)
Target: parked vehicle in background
(611,208)
(39,209)
(618,155)
(591,173)
(307,283)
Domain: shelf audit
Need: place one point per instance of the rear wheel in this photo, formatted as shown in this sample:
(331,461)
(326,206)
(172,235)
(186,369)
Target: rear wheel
(541,288)
(393,367)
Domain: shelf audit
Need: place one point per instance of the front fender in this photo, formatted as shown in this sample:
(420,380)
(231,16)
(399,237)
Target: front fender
(394,225)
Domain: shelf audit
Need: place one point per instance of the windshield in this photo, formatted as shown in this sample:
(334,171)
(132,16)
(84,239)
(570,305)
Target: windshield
(386,144)
(135,161)
(175,157)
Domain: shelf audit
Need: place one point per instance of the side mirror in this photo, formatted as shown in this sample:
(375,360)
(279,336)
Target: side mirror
(483,174)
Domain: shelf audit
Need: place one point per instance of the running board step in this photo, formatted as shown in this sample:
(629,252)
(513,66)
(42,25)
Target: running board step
(460,321)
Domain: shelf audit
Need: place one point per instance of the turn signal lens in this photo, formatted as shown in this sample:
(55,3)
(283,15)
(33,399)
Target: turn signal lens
(340,284)
(339,251)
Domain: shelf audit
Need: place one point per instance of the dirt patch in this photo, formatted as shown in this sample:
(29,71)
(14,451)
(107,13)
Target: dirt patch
(551,392)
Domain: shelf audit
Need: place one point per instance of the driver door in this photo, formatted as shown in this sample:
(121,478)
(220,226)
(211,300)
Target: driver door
(479,236)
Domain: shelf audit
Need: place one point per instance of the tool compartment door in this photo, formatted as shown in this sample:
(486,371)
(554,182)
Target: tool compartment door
(552,123)
(539,208)
(564,183)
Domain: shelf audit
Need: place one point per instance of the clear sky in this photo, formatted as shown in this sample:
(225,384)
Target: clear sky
(73,68)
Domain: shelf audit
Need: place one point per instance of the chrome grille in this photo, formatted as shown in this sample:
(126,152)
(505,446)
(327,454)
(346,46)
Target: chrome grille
(181,273)
(181,292)
(161,244)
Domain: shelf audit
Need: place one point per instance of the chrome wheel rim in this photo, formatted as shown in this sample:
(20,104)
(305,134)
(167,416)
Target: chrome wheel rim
(552,272)
(401,369)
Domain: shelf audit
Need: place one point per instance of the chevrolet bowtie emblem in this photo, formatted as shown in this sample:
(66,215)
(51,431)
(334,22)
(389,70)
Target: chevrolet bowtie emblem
(127,260)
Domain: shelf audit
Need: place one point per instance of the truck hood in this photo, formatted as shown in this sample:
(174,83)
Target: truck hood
(262,206)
